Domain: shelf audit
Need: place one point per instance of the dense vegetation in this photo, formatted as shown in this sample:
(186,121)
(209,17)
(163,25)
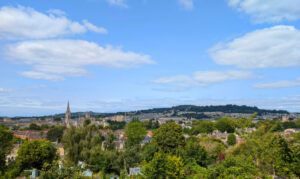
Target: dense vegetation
(264,153)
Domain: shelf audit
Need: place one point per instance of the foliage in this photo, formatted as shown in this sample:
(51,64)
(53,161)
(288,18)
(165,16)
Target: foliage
(78,142)
(231,139)
(164,166)
(193,151)
(203,127)
(115,125)
(109,142)
(135,133)
(226,124)
(169,138)
(34,126)
(86,122)
(35,154)
(55,134)
(6,138)
(151,124)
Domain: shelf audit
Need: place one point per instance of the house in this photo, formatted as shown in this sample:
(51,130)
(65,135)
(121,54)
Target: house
(14,153)
(31,135)
(135,171)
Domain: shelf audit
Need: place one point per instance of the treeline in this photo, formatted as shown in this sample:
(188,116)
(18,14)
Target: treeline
(220,108)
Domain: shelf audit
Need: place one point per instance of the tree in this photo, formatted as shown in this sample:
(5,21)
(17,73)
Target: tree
(203,127)
(164,166)
(169,138)
(231,139)
(55,134)
(57,119)
(109,142)
(135,133)
(35,154)
(34,126)
(86,122)
(6,137)
(194,151)
(79,142)
(226,124)
(281,155)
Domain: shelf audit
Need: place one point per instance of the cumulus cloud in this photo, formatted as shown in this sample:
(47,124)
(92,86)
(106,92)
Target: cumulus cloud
(120,3)
(277,46)
(54,59)
(26,23)
(268,11)
(204,78)
(279,84)
(187,4)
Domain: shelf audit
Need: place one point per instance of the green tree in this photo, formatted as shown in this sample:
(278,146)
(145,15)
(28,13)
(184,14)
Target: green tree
(226,124)
(135,133)
(57,119)
(6,137)
(203,127)
(231,139)
(194,151)
(55,134)
(79,142)
(34,126)
(169,138)
(86,122)
(35,154)
(164,166)
(282,156)
(109,142)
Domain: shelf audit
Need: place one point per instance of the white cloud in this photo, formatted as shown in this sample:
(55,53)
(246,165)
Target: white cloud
(26,23)
(120,3)
(277,46)
(180,81)
(279,84)
(41,76)
(94,28)
(204,78)
(268,10)
(54,59)
(187,4)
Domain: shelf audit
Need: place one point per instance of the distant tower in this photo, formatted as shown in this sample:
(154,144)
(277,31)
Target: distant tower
(87,115)
(68,116)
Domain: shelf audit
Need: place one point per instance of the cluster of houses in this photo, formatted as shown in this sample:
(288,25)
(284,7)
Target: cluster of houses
(31,134)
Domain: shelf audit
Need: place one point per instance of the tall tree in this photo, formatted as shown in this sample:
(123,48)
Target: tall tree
(169,137)
(6,137)
(135,133)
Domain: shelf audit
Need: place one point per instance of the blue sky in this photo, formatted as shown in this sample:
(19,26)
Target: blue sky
(120,55)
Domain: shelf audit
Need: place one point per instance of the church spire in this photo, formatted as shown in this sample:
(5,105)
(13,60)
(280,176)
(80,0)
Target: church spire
(68,107)
(68,116)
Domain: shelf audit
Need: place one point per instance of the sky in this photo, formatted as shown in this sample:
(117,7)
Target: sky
(126,55)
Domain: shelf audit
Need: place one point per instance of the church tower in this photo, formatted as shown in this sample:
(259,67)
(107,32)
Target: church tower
(68,116)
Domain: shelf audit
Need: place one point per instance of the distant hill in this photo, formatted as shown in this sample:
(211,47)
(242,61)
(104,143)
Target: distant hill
(182,108)
(220,108)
